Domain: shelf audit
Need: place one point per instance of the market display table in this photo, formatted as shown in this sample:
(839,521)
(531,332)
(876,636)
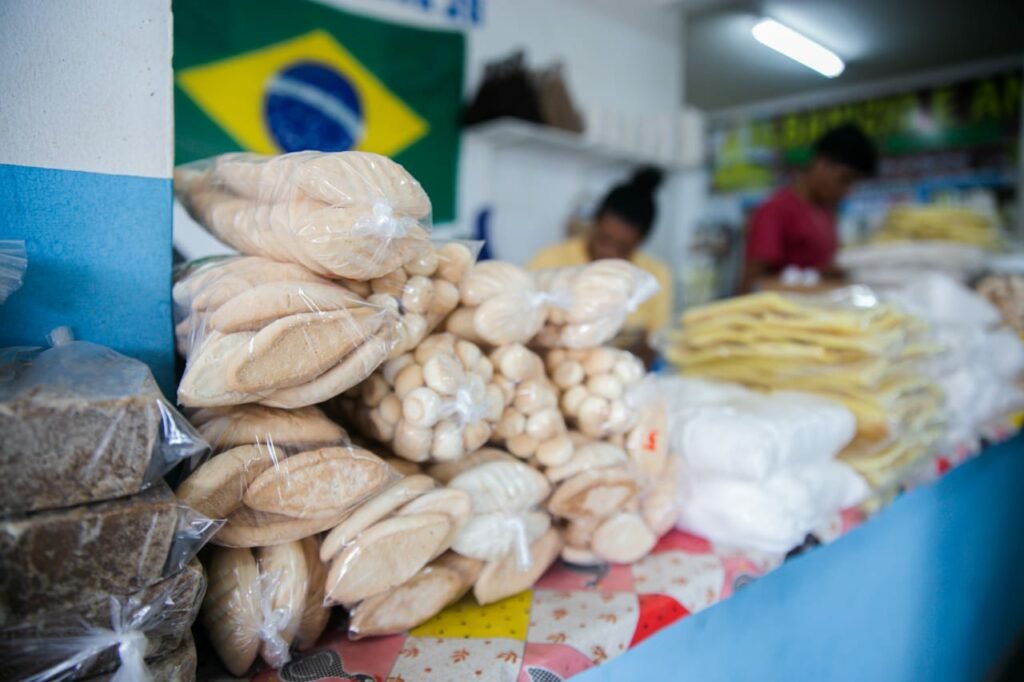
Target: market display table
(924,590)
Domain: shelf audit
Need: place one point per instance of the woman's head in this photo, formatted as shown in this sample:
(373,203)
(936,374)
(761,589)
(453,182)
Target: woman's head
(625,216)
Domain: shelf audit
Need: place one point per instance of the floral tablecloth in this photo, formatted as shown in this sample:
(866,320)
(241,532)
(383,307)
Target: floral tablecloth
(573,619)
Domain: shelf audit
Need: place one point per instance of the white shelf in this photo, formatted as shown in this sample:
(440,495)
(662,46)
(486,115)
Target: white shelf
(506,133)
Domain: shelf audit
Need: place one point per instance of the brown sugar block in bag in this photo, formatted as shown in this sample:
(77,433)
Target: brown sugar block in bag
(299,348)
(442,582)
(163,612)
(386,555)
(178,665)
(504,578)
(89,437)
(231,611)
(50,558)
(216,488)
(256,424)
(317,484)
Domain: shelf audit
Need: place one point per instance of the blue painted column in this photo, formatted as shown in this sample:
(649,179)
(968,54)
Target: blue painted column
(928,590)
(85,171)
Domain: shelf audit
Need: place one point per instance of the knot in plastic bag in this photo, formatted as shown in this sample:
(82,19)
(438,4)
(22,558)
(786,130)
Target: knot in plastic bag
(383,223)
(520,542)
(131,649)
(272,621)
(646,285)
(468,405)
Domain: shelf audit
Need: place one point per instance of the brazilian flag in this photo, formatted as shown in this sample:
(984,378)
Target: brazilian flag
(274,76)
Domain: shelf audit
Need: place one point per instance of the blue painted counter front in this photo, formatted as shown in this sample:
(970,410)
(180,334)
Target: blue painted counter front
(926,591)
(99,261)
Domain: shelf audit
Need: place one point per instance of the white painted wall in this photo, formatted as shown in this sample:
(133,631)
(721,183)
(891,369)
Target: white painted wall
(103,102)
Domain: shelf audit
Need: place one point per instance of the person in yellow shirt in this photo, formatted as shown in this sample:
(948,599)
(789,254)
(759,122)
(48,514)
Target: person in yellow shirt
(622,222)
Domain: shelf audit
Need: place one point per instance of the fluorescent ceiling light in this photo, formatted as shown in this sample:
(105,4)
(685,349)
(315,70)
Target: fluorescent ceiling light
(798,47)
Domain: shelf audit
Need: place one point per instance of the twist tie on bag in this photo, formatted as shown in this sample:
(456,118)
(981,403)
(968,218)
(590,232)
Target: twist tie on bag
(561,299)
(126,635)
(521,544)
(646,285)
(383,223)
(464,407)
(272,620)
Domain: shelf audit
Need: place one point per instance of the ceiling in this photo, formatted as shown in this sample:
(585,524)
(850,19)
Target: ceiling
(878,39)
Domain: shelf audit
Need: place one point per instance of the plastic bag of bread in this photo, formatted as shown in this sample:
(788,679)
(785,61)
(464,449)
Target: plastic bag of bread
(532,425)
(423,291)
(53,558)
(257,331)
(13,262)
(82,423)
(388,539)
(437,403)
(279,475)
(613,505)
(352,215)
(499,305)
(263,602)
(595,388)
(590,303)
(114,634)
(509,531)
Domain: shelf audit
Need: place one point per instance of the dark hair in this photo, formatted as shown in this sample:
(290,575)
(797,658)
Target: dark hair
(634,200)
(849,146)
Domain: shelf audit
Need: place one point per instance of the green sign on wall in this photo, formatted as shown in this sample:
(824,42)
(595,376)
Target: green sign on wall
(275,76)
(983,112)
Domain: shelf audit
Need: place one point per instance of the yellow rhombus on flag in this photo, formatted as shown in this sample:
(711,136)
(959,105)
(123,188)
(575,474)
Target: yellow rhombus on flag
(233,93)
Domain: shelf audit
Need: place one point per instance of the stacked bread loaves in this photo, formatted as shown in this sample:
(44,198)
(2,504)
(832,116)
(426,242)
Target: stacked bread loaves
(255,330)
(96,574)
(350,215)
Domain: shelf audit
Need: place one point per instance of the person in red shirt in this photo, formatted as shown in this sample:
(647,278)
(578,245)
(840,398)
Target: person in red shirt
(797,225)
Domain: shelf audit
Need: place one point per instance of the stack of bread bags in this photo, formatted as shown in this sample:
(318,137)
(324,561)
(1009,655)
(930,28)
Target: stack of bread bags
(614,490)
(848,346)
(97,576)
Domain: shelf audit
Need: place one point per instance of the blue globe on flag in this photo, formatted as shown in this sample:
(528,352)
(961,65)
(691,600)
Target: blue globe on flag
(309,105)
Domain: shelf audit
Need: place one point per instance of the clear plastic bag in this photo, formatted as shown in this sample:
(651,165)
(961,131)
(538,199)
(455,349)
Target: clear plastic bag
(770,515)
(352,215)
(437,403)
(595,385)
(590,303)
(258,331)
(532,425)
(500,304)
(615,503)
(508,531)
(262,602)
(386,541)
(82,423)
(49,559)
(279,475)
(117,634)
(13,262)
(441,582)
(423,291)
(744,434)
